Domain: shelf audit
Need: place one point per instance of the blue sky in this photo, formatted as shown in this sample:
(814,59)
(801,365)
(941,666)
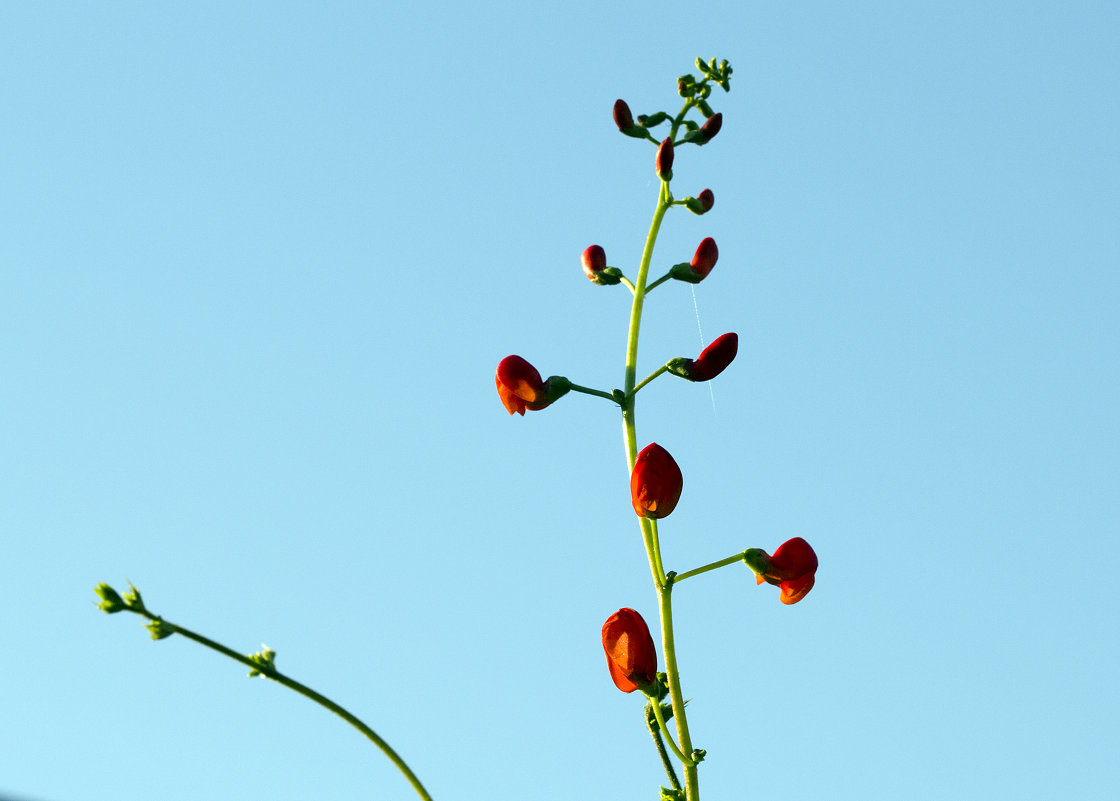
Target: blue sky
(259,262)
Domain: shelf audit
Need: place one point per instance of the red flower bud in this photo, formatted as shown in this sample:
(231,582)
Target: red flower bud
(655,483)
(622,116)
(712,361)
(520,386)
(664,160)
(793,567)
(705,258)
(709,129)
(631,656)
(594,261)
(702,203)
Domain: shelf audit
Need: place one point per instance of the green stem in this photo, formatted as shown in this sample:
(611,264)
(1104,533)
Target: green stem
(697,571)
(303,690)
(669,737)
(691,778)
(658,282)
(650,377)
(655,733)
(596,392)
(649,527)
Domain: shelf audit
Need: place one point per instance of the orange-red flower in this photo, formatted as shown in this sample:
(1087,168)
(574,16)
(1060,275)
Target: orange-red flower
(520,386)
(631,657)
(793,567)
(655,483)
(712,361)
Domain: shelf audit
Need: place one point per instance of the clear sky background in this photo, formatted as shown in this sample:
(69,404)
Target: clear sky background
(258,262)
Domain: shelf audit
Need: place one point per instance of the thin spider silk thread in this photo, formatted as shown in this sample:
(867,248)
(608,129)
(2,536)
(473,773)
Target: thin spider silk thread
(703,343)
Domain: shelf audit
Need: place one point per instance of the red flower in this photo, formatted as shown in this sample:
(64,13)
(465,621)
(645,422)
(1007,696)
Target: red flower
(712,361)
(594,261)
(655,483)
(793,567)
(520,386)
(631,657)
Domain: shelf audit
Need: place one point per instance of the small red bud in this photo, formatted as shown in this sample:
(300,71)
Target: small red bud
(709,129)
(707,199)
(655,483)
(594,262)
(664,160)
(714,359)
(705,258)
(622,116)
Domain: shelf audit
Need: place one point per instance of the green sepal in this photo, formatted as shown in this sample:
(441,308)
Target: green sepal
(636,131)
(686,86)
(160,628)
(111,601)
(705,109)
(556,387)
(653,119)
(757,560)
(681,367)
(608,276)
(683,272)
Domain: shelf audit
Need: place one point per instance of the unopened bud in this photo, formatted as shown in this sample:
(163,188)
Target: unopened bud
(702,263)
(709,129)
(702,203)
(622,116)
(111,601)
(664,160)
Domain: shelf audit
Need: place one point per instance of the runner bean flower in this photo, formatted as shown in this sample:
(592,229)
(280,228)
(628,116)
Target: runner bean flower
(631,656)
(793,567)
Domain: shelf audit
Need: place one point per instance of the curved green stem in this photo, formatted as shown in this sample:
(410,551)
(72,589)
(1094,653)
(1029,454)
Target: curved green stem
(691,778)
(669,737)
(697,571)
(292,684)
(655,733)
(658,282)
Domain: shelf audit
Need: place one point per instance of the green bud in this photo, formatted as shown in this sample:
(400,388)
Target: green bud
(700,65)
(705,109)
(110,601)
(698,755)
(652,119)
(160,628)
(671,795)
(132,597)
(683,272)
(265,660)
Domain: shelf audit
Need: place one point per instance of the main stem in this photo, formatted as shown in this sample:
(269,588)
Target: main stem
(649,527)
